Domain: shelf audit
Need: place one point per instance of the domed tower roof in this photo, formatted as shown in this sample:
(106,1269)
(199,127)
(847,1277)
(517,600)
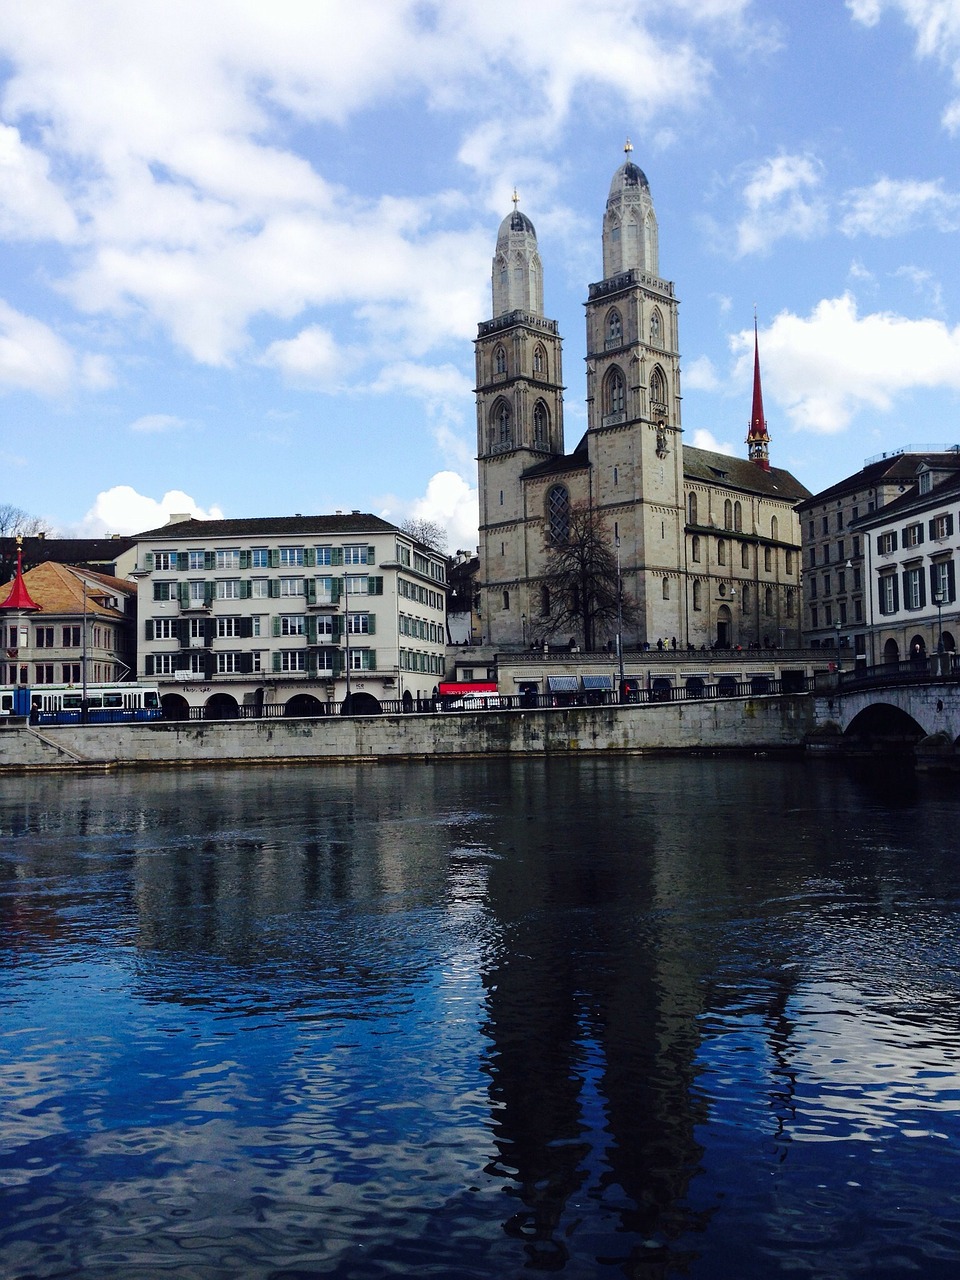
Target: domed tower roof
(630,233)
(517,270)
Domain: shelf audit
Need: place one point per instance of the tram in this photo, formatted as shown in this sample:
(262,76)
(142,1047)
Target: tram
(63,703)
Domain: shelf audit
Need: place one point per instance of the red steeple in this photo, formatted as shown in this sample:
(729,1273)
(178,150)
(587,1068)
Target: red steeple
(19,596)
(758,441)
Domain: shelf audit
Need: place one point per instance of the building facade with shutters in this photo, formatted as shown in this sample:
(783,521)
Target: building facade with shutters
(912,546)
(708,545)
(294,611)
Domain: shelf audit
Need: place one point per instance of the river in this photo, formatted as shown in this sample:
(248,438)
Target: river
(630,1017)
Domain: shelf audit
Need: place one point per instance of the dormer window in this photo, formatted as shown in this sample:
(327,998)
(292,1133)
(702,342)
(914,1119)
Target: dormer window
(926,481)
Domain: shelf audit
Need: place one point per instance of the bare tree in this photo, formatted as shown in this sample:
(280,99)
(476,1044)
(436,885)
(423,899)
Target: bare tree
(428,532)
(13,520)
(584,585)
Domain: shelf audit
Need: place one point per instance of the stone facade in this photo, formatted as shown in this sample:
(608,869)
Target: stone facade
(708,545)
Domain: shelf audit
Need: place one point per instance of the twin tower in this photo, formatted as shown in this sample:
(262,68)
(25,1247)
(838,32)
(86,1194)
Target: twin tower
(628,466)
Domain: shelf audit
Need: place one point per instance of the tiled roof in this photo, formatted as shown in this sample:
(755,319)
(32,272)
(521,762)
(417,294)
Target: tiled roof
(265,526)
(740,473)
(58,589)
(945,491)
(901,467)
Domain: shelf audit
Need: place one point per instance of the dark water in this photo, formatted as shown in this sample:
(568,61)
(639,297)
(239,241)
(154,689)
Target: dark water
(630,1018)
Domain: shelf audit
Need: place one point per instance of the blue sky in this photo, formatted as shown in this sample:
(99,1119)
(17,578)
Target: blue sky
(245,247)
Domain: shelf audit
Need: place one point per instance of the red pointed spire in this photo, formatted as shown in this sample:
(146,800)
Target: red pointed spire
(758,440)
(19,596)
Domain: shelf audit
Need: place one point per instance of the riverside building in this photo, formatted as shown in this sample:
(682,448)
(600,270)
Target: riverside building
(293,611)
(708,545)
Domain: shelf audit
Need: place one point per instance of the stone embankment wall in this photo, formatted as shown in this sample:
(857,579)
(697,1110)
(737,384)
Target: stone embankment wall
(728,724)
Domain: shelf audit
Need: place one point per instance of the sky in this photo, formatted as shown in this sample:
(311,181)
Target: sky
(246,246)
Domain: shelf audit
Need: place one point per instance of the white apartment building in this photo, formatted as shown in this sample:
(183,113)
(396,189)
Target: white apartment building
(292,612)
(912,547)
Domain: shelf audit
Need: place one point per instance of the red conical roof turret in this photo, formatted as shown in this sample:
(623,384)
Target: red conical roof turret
(758,441)
(19,597)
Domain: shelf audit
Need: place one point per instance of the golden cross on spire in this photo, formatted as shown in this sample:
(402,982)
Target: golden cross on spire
(516,199)
(628,147)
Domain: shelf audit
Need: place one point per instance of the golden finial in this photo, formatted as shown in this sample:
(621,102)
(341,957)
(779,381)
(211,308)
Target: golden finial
(516,199)
(628,147)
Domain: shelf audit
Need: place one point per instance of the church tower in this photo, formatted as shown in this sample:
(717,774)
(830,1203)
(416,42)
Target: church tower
(519,422)
(633,407)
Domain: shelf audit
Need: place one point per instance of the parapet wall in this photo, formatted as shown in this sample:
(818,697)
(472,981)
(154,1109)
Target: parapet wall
(725,724)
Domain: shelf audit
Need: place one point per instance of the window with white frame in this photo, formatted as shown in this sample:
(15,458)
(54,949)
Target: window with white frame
(259,588)
(357,584)
(290,556)
(197,593)
(355,554)
(227,627)
(164,590)
(292,624)
(198,628)
(259,558)
(325,591)
(227,558)
(198,663)
(941,526)
(887,543)
(324,555)
(942,581)
(228,589)
(195,559)
(913,535)
(164,629)
(325,625)
(228,663)
(291,586)
(164,664)
(913,593)
(358,624)
(887,590)
(293,659)
(165,560)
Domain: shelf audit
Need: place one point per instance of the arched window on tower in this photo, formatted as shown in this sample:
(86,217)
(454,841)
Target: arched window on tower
(500,360)
(500,426)
(614,328)
(744,555)
(541,424)
(656,329)
(544,602)
(768,602)
(774,528)
(692,509)
(695,548)
(615,396)
(721,551)
(658,392)
(540,362)
(558,513)
(738,516)
(697,595)
(666,588)
(728,514)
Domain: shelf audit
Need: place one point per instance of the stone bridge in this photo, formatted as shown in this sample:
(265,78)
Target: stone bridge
(922,715)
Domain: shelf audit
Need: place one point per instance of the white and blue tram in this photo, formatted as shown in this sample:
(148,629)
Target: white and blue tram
(63,703)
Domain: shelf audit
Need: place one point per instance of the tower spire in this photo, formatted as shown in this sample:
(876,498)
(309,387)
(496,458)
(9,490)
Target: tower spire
(18,597)
(758,440)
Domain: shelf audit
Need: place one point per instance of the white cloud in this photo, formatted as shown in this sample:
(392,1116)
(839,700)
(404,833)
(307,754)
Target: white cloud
(703,439)
(123,510)
(936,24)
(31,206)
(450,502)
(157,423)
(782,200)
(889,207)
(32,357)
(700,375)
(825,367)
(312,359)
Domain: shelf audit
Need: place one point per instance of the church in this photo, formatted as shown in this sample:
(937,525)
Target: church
(708,545)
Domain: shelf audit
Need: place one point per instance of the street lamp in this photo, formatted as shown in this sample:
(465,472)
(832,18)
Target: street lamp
(938,601)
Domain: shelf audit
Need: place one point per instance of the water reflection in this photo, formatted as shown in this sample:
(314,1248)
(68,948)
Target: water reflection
(637,1018)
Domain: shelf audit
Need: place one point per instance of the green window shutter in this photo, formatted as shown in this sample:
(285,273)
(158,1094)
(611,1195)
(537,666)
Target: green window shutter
(312,662)
(244,559)
(184,589)
(246,628)
(374,586)
(276,626)
(148,560)
(337,662)
(246,663)
(274,588)
(182,660)
(338,626)
(209,560)
(371,555)
(183,562)
(336,555)
(370,660)
(310,557)
(274,557)
(148,665)
(312,629)
(245,589)
(310,590)
(209,662)
(336,590)
(276,661)
(208,630)
(306,588)
(209,590)
(371,624)
(148,629)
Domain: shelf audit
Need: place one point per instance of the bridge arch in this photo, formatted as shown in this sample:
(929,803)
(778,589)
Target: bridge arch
(882,724)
